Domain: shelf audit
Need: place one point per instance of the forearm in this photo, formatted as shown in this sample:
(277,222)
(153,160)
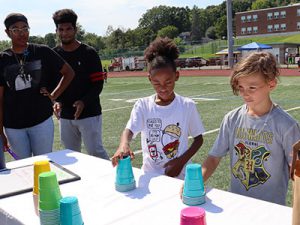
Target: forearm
(126,137)
(67,76)
(197,143)
(209,166)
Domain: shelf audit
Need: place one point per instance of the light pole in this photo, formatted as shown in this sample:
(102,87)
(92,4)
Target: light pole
(229,33)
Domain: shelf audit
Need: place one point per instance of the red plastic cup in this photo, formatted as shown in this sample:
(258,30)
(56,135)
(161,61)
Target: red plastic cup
(192,216)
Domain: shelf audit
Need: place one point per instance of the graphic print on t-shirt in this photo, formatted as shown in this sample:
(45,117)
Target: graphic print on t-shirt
(249,167)
(19,77)
(162,142)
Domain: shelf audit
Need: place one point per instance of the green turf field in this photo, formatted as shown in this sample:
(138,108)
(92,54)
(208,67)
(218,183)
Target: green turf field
(213,97)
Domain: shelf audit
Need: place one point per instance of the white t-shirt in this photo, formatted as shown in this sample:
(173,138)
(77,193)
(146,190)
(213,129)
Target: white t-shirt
(164,129)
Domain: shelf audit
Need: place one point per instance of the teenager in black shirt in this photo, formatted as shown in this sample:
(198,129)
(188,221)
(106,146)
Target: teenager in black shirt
(26,70)
(79,106)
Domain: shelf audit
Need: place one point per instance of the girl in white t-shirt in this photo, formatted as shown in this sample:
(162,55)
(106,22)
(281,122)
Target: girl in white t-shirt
(165,119)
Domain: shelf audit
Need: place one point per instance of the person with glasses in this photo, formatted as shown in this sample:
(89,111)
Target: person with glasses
(26,71)
(79,106)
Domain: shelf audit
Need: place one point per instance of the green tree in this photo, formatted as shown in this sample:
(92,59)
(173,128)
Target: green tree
(36,40)
(168,31)
(196,25)
(262,4)
(50,40)
(221,27)
(80,32)
(92,40)
(211,33)
(4,45)
(162,16)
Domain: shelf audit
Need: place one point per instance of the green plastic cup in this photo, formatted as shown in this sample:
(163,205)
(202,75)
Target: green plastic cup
(49,192)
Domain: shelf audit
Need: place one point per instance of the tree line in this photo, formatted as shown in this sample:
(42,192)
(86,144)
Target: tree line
(163,21)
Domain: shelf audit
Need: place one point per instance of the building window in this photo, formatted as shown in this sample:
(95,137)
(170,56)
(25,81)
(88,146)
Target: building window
(243,30)
(283,14)
(298,12)
(249,18)
(283,26)
(243,18)
(249,30)
(270,15)
(254,17)
(298,25)
(276,27)
(255,29)
(270,28)
(276,15)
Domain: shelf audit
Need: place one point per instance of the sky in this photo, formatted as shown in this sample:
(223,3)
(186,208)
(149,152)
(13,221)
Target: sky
(94,15)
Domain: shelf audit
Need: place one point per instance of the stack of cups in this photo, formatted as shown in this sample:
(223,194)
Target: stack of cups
(38,168)
(125,179)
(193,190)
(70,212)
(49,197)
(192,216)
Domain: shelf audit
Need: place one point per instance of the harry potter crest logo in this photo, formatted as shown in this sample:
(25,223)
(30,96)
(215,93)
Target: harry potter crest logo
(249,168)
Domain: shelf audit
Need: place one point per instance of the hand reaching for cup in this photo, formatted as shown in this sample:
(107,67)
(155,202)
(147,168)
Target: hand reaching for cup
(123,150)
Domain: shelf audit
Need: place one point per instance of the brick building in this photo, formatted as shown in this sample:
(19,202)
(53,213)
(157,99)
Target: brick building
(283,20)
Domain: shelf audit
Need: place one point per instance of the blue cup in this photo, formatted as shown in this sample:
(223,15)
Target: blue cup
(70,213)
(124,178)
(193,190)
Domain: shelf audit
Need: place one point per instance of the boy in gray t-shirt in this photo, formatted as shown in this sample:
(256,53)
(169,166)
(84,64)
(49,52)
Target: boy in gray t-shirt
(258,135)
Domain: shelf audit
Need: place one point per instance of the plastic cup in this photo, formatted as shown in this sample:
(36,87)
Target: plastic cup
(70,212)
(125,179)
(193,190)
(49,217)
(192,216)
(49,192)
(38,168)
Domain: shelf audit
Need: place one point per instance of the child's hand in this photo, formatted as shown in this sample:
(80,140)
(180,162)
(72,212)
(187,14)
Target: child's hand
(123,150)
(173,167)
(296,149)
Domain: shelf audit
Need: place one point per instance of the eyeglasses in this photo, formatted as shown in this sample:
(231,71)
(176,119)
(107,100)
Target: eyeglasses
(16,31)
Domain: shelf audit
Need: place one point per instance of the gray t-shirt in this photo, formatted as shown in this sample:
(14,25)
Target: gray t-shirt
(260,152)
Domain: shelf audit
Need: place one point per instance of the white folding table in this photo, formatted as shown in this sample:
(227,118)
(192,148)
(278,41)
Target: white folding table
(155,201)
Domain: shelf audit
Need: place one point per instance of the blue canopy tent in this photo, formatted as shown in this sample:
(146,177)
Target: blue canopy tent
(254,46)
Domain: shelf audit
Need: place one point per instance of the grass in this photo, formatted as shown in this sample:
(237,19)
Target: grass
(116,111)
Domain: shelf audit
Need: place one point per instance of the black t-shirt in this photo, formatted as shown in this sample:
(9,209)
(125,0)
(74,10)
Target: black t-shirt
(22,76)
(87,83)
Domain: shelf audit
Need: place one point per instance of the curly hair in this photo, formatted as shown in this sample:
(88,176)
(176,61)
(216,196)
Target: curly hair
(161,53)
(263,63)
(65,16)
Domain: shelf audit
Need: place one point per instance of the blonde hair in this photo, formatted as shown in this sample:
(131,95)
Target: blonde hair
(263,63)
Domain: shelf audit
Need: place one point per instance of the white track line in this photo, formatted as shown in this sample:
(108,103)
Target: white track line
(216,130)
(292,109)
(124,107)
(107,110)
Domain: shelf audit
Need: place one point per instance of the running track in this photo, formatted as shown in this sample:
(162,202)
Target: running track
(201,72)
